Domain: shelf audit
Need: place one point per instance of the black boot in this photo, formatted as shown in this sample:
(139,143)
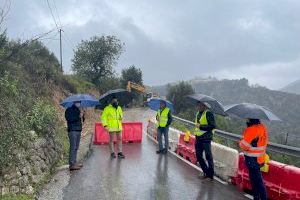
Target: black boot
(113,155)
(165,151)
(121,155)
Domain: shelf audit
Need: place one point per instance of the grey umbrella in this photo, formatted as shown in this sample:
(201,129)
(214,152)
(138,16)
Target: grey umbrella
(213,104)
(250,111)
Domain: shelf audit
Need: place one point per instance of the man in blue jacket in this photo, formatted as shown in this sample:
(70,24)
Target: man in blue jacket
(74,121)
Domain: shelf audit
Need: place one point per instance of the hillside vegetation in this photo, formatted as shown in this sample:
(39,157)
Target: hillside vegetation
(284,105)
(33,138)
(32,129)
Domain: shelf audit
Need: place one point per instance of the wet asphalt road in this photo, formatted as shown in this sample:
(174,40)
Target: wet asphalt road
(142,175)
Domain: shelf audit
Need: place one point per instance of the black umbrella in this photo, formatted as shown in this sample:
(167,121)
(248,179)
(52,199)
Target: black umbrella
(250,111)
(213,105)
(123,96)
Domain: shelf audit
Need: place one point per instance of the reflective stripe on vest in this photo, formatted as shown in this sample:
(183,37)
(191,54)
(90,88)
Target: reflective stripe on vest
(253,151)
(259,148)
(253,148)
(243,142)
(202,121)
(163,117)
(254,154)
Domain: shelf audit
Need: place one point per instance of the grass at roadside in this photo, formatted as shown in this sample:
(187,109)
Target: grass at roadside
(16,197)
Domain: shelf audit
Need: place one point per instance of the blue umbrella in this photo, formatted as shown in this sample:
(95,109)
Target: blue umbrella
(154,104)
(86,100)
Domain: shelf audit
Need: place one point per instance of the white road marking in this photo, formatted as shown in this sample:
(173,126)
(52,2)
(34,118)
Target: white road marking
(248,196)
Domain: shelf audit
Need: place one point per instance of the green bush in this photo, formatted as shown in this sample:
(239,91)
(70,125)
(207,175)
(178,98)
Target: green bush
(43,118)
(27,79)
(13,135)
(13,126)
(8,85)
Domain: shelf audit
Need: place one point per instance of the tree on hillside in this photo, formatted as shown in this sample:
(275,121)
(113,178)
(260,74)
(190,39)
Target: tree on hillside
(132,74)
(177,94)
(110,82)
(3,49)
(94,59)
(3,38)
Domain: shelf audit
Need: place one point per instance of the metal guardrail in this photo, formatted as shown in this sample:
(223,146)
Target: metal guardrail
(278,148)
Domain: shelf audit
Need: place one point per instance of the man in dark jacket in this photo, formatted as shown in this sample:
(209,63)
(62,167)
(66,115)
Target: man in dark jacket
(73,117)
(205,124)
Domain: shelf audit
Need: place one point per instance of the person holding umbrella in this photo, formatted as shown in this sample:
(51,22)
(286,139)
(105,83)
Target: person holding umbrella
(74,119)
(164,119)
(254,142)
(74,122)
(111,118)
(204,128)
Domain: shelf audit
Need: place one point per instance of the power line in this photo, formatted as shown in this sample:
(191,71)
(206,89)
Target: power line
(24,44)
(57,14)
(52,15)
(68,41)
(39,36)
(49,40)
(69,45)
(59,29)
(54,37)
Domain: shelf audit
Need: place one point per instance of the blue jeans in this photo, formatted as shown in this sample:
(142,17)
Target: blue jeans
(74,139)
(163,131)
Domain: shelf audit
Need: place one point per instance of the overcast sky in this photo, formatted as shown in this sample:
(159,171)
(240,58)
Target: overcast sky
(174,40)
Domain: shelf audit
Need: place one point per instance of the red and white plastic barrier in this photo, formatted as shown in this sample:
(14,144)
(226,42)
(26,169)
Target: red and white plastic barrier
(187,149)
(225,158)
(132,132)
(282,181)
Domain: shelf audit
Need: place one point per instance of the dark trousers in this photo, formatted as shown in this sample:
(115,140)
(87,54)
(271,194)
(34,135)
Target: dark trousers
(74,139)
(200,146)
(258,186)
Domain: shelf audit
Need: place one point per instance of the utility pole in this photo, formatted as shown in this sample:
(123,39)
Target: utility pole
(61,66)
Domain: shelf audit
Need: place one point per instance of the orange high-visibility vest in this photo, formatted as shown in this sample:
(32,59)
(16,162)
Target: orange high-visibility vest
(256,132)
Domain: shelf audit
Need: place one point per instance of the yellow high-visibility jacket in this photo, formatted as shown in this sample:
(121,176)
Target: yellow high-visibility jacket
(163,117)
(112,118)
(202,121)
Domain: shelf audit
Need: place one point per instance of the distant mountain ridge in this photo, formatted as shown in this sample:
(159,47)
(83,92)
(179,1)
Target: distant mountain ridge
(284,105)
(293,87)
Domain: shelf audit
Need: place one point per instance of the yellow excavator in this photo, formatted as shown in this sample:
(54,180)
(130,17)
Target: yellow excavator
(147,95)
